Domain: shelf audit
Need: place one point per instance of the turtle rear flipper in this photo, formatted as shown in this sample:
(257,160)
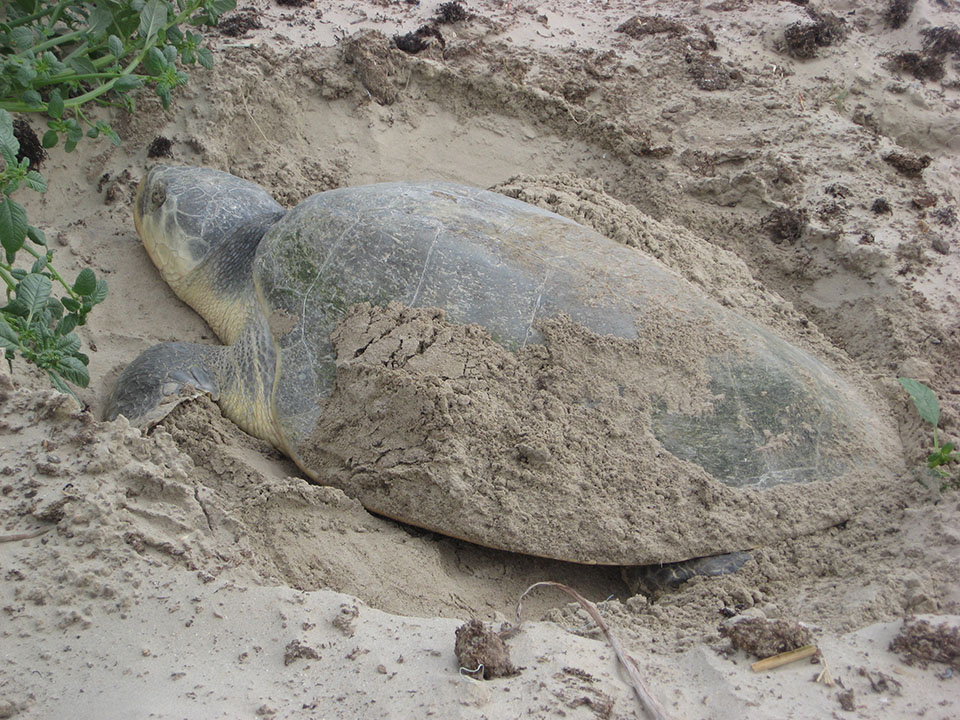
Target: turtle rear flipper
(653,579)
(161,378)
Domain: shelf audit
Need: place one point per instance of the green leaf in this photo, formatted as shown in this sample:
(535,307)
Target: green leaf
(163,92)
(67,344)
(13,226)
(7,138)
(125,83)
(35,181)
(170,54)
(205,57)
(216,8)
(155,63)
(100,293)
(36,235)
(67,324)
(9,340)
(53,310)
(26,74)
(60,384)
(82,65)
(32,98)
(9,161)
(924,399)
(22,37)
(55,105)
(70,304)
(115,45)
(152,18)
(86,282)
(74,371)
(33,291)
(109,132)
(99,20)
(53,63)
(39,264)
(50,139)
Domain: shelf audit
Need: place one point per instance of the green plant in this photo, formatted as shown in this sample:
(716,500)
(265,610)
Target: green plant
(942,456)
(56,58)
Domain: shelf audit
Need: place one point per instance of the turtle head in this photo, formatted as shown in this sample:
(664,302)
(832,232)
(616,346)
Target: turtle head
(185,215)
(201,228)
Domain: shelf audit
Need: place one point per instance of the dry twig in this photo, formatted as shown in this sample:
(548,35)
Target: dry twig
(25,535)
(649,703)
(784,658)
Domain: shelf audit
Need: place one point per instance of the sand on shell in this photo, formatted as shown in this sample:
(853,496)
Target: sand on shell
(180,570)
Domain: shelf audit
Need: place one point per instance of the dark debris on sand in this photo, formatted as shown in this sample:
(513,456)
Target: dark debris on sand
(802,39)
(907,164)
(920,643)
(420,39)
(786,224)
(898,11)
(482,652)
(160,147)
(451,12)
(30,145)
(641,25)
(765,638)
(239,23)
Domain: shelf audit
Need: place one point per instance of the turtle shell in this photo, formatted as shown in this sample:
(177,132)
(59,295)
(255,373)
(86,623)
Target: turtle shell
(730,438)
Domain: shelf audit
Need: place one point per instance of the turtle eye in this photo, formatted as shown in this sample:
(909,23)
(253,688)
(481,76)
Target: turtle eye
(157,197)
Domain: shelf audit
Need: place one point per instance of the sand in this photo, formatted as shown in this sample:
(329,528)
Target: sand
(194,572)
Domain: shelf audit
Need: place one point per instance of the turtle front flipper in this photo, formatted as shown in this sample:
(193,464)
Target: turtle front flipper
(164,376)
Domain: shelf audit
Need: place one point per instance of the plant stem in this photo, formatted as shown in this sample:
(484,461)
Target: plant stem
(53,42)
(30,18)
(53,273)
(7,278)
(107,86)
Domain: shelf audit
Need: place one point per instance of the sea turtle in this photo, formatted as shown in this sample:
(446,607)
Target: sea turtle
(753,440)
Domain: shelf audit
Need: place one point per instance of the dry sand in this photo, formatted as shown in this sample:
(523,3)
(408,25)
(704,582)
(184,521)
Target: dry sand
(194,573)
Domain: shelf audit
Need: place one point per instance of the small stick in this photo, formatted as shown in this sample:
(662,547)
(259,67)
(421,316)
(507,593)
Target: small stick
(24,535)
(649,703)
(784,658)
(825,676)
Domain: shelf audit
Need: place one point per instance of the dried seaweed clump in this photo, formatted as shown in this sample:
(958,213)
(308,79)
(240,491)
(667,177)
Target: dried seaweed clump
(482,652)
(803,38)
(921,65)
(451,12)
(764,638)
(641,25)
(30,145)
(919,643)
(898,11)
(938,42)
(239,23)
(907,164)
(709,73)
(941,41)
(786,224)
(160,147)
(420,39)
